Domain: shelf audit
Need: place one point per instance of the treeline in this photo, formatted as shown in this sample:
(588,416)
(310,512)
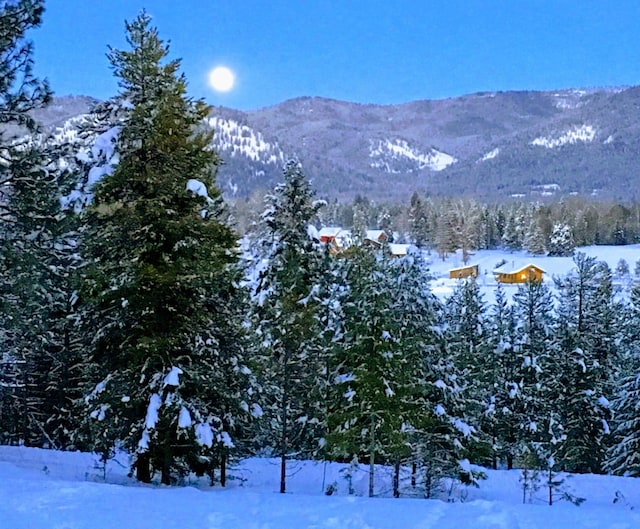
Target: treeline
(448,224)
(132,318)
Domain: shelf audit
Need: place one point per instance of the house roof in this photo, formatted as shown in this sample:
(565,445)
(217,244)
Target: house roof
(399,249)
(329,231)
(515,266)
(375,235)
(463,267)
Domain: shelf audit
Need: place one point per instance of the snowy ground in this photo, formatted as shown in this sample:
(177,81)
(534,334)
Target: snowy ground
(55,490)
(553,266)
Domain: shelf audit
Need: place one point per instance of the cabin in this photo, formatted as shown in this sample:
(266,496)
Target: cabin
(521,274)
(328,234)
(377,237)
(465,271)
(399,250)
(340,242)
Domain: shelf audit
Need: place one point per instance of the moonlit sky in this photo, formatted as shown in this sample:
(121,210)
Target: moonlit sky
(368,51)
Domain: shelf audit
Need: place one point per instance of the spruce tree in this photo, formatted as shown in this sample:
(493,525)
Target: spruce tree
(20,91)
(368,403)
(623,455)
(393,397)
(160,297)
(503,376)
(467,345)
(287,316)
(587,356)
(533,344)
(20,161)
(41,250)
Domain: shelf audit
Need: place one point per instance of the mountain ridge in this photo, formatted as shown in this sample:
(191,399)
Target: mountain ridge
(493,145)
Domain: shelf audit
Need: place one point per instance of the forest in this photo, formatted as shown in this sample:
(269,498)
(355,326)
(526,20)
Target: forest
(133,315)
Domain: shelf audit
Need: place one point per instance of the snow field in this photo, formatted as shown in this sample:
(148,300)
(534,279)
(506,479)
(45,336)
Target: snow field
(46,489)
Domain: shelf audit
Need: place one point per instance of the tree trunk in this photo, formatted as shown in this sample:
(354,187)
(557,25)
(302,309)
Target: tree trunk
(284,404)
(223,467)
(143,472)
(396,479)
(372,456)
(414,470)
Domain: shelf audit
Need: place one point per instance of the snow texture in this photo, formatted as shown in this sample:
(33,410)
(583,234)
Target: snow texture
(396,156)
(235,140)
(577,134)
(44,489)
(184,418)
(204,434)
(151,419)
(173,377)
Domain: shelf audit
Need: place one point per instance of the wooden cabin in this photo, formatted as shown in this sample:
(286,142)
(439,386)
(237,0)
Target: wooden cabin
(398,250)
(465,271)
(377,237)
(529,272)
(328,234)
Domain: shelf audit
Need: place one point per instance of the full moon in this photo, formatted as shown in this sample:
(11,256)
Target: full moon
(221,79)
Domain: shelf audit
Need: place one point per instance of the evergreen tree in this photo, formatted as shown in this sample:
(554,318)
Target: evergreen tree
(394,393)
(447,233)
(287,315)
(20,91)
(21,166)
(161,295)
(533,344)
(466,345)
(419,222)
(41,251)
(561,242)
(623,456)
(504,376)
(587,357)
(367,409)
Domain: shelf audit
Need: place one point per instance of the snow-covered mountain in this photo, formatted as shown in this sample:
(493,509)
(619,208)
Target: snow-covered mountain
(491,145)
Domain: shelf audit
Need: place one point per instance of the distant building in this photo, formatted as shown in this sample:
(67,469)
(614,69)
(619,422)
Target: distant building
(518,274)
(399,250)
(377,237)
(328,234)
(465,271)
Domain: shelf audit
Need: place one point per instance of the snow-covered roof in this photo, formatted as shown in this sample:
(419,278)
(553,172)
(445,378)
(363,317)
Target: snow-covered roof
(375,235)
(399,249)
(465,267)
(329,231)
(514,266)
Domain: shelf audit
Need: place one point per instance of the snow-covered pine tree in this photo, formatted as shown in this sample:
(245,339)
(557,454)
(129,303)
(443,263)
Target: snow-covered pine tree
(515,224)
(161,299)
(41,250)
(503,377)
(561,241)
(419,222)
(366,413)
(623,455)
(466,344)
(446,235)
(587,359)
(393,392)
(287,317)
(533,314)
(436,431)
(20,92)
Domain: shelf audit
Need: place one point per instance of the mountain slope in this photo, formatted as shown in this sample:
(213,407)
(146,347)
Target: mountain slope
(490,145)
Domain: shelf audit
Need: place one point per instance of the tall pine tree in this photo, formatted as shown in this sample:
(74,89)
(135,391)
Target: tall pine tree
(161,295)
(287,317)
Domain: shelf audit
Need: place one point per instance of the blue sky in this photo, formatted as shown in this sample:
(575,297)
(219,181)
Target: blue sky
(367,51)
